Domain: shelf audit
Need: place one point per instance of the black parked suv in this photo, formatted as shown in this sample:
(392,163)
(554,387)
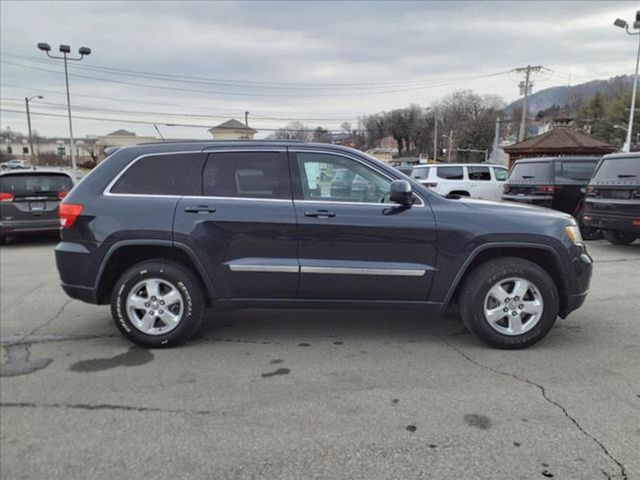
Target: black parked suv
(163,231)
(613,198)
(553,182)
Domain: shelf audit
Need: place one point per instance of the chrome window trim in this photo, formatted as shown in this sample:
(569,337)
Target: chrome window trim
(366,164)
(107,190)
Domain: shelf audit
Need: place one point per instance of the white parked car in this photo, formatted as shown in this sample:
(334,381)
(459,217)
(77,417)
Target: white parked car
(478,180)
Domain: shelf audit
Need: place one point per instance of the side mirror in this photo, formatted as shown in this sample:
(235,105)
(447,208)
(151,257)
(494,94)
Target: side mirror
(400,192)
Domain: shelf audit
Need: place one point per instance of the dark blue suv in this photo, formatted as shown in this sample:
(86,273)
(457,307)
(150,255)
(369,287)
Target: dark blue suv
(164,231)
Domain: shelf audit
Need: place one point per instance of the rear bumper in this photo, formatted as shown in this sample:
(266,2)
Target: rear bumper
(612,222)
(76,268)
(78,292)
(540,200)
(28,226)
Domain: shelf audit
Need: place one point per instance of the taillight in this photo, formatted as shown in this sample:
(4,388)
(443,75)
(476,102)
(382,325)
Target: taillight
(68,213)
(61,195)
(547,188)
(6,197)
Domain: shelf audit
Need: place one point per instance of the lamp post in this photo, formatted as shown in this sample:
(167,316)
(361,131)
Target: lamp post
(636,26)
(66,50)
(26,102)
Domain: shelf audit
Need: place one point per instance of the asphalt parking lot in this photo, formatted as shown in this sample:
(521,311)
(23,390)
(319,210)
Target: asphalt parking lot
(316,394)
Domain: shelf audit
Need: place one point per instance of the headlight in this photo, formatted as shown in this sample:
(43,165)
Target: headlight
(573,232)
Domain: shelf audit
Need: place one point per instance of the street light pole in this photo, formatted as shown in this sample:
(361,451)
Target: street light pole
(65,50)
(636,25)
(26,102)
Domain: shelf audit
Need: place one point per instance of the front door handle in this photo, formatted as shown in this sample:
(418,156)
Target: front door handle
(320,214)
(199,209)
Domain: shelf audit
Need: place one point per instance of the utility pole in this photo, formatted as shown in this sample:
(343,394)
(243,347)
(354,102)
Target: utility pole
(435,141)
(246,118)
(26,102)
(525,89)
(450,146)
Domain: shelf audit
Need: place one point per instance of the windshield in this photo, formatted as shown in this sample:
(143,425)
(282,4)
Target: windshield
(530,172)
(22,185)
(618,168)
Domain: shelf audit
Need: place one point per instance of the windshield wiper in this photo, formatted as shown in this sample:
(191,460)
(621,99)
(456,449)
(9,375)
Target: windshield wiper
(528,176)
(626,176)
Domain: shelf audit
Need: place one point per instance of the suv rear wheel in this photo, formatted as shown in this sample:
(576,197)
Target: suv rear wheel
(157,303)
(618,238)
(509,303)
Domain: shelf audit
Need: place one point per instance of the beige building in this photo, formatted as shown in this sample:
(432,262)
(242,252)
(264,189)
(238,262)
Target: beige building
(232,130)
(121,138)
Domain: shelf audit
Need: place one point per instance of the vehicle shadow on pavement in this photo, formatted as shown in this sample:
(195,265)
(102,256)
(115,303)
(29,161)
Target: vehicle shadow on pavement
(308,326)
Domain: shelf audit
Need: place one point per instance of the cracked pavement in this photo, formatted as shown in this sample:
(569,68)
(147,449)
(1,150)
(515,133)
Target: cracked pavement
(316,394)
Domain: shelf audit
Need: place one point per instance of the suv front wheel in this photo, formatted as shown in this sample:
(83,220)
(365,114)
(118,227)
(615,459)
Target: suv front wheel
(509,303)
(157,303)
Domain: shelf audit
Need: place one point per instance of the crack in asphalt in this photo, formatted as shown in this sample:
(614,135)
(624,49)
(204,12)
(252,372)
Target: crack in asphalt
(543,391)
(103,406)
(48,322)
(52,338)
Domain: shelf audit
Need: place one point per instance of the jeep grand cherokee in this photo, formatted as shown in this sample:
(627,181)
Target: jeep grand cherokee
(163,231)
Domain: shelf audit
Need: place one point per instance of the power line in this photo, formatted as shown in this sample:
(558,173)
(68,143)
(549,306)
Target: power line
(251,94)
(143,122)
(244,83)
(163,104)
(44,104)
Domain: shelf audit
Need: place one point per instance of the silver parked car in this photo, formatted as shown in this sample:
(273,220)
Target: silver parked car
(29,200)
(15,164)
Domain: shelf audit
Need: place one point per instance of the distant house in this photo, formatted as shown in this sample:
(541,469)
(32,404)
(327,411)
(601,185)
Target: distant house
(121,138)
(232,130)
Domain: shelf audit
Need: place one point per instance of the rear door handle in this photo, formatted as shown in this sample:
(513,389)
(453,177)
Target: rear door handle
(320,214)
(199,209)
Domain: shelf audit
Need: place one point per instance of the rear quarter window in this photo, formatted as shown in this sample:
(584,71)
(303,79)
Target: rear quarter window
(574,172)
(531,172)
(33,184)
(162,174)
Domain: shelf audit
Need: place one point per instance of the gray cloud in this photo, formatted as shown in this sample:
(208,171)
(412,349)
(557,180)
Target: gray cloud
(314,42)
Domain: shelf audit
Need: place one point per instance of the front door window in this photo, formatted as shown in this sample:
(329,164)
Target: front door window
(334,178)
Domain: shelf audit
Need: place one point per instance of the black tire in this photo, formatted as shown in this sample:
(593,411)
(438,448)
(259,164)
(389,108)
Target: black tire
(188,287)
(618,238)
(484,277)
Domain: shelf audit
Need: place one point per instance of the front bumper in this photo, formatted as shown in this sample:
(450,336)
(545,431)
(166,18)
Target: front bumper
(582,270)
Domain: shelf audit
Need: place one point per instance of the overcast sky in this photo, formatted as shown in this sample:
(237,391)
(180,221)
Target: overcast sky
(323,61)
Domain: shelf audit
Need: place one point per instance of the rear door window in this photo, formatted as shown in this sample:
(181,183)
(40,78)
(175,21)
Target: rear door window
(574,172)
(479,173)
(619,169)
(531,172)
(450,173)
(420,173)
(247,175)
(35,184)
(162,174)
